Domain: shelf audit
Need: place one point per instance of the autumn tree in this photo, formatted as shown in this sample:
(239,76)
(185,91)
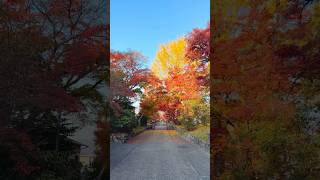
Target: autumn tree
(174,80)
(170,57)
(53,62)
(127,78)
(255,68)
(198,51)
(170,64)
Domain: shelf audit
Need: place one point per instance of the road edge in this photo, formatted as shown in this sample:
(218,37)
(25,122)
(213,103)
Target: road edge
(194,140)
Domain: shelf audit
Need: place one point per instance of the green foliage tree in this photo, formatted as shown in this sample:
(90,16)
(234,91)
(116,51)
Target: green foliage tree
(194,113)
(125,120)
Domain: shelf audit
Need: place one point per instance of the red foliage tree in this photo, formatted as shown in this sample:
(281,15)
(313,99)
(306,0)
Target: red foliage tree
(198,50)
(198,44)
(127,75)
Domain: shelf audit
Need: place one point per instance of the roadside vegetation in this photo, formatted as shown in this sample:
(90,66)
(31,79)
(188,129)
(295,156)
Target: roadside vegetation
(202,132)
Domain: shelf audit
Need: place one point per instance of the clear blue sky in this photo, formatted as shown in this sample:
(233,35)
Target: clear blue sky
(142,25)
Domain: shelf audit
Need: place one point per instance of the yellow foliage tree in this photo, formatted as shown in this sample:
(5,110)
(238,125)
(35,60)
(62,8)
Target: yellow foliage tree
(170,57)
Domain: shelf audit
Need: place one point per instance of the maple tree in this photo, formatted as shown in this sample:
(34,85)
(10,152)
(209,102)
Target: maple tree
(127,77)
(198,51)
(198,46)
(126,73)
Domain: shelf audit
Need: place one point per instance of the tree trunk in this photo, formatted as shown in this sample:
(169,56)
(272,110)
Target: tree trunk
(58,124)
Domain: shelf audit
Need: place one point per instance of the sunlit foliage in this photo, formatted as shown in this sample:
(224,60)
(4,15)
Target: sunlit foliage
(169,57)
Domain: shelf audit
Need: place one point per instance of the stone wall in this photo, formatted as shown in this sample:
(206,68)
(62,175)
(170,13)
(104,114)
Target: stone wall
(188,137)
(119,137)
(124,137)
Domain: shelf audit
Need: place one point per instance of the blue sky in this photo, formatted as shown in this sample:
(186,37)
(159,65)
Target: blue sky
(142,25)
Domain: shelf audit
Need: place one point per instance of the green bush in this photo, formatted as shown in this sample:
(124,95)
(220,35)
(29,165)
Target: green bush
(202,113)
(138,130)
(124,123)
(195,113)
(188,122)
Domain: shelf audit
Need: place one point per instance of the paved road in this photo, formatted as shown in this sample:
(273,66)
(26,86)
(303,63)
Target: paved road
(158,155)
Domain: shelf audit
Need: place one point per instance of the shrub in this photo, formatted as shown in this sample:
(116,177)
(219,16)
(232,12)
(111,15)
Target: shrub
(188,122)
(124,123)
(194,113)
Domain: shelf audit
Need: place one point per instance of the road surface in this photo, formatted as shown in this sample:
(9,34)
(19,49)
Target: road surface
(158,155)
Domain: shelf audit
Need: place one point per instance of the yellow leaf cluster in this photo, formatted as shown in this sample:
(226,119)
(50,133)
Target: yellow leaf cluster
(169,57)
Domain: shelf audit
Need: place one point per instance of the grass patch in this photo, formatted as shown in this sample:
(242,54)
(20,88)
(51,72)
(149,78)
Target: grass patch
(179,126)
(138,130)
(201,132)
